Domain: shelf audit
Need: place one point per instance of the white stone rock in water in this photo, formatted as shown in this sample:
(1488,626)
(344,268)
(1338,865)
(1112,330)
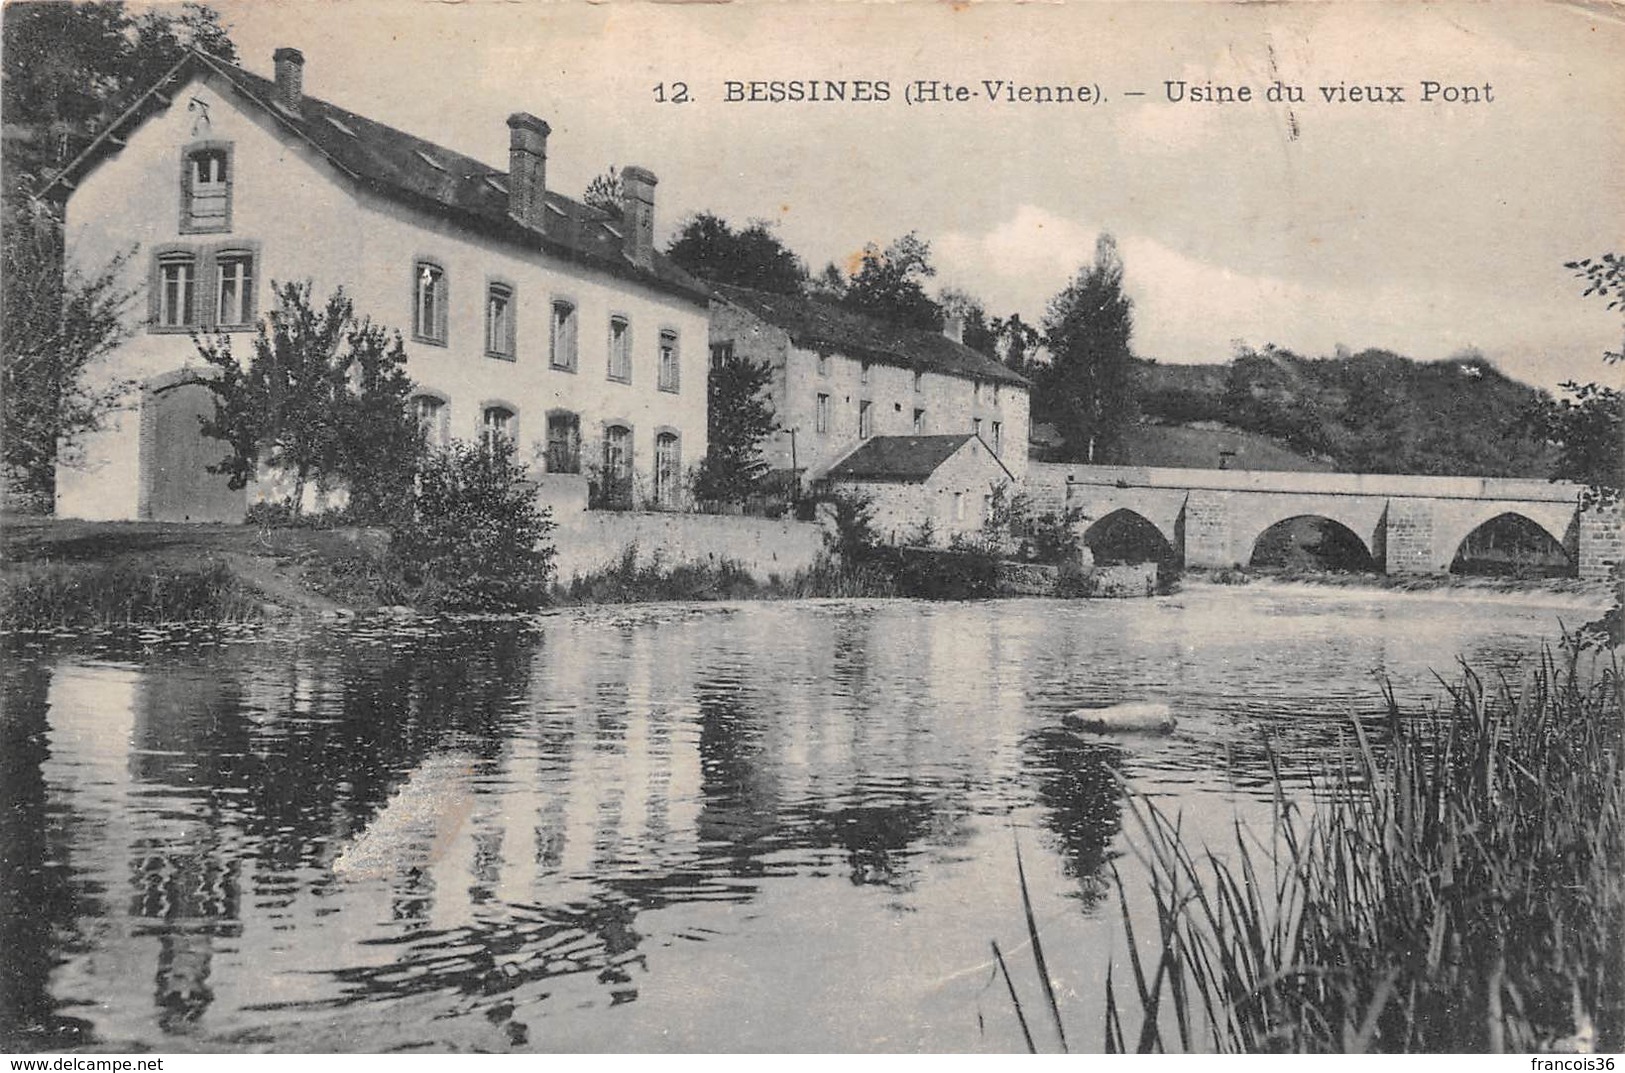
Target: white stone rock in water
(1151,716)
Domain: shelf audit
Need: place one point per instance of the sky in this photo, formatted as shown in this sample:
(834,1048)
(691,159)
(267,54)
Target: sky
(1422,226)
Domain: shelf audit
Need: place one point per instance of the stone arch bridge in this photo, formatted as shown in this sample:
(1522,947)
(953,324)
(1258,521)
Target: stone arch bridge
(1409,524)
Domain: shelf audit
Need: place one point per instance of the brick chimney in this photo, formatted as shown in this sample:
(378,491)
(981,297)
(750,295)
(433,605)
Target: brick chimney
(954,328)
(290,78)
(638,214)
(527,169)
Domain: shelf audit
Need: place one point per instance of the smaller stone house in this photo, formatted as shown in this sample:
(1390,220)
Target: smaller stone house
(941,485)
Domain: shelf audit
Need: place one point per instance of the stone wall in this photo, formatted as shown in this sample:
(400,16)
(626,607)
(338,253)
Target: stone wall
(1600,542)
(591,540)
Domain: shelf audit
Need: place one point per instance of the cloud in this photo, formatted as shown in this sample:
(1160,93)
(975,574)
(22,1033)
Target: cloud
(1187,309)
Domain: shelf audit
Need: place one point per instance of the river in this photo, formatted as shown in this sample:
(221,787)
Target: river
(767,826)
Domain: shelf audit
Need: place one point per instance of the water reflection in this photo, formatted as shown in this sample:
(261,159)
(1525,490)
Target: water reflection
(665,830)
(1078,786)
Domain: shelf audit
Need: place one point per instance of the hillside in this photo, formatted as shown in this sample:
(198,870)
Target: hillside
(1210,445)
(1372,412)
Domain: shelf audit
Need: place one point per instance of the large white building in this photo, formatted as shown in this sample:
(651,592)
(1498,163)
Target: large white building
(525,313)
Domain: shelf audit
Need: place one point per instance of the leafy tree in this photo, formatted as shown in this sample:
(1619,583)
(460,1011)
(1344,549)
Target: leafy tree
(71,68)
(853,537)
(58,323)
(740,417)
(1604,276)
(1018,342)
(605,193)
(889,284)
(478,538)
(752,257)
(1589,427)
(324,397)
(977,331)
(68,70)
(829,285)
(1090,389)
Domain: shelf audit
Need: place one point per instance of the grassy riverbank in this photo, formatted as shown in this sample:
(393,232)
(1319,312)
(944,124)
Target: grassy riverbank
(67,574)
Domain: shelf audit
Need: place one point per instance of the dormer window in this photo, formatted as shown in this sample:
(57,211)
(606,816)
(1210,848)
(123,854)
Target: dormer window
(206,189)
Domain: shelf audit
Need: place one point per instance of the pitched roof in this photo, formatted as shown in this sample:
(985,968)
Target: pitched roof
(408,169)
(816,325)
(902,458)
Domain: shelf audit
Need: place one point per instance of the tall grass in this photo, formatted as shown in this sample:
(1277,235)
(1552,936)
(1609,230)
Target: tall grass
(48,596)
(1456,885)
(630,581)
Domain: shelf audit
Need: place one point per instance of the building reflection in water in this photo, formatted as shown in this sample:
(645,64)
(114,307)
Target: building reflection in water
(239,838)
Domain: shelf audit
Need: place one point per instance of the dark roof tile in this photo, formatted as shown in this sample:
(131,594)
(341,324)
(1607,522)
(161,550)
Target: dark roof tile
(419,172)
(816,325)
(900,458)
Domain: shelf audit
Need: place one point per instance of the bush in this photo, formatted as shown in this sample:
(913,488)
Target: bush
(854,540)
(827,577)
(1054,538)
(628,582)
(477,537)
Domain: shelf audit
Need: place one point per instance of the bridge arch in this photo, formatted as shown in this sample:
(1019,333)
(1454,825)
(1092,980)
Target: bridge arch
(1512,542)
(1126,535)
(1557,520)
(1360,516)
(1303,539)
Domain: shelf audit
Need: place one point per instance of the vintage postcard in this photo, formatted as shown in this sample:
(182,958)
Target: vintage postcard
(812,527)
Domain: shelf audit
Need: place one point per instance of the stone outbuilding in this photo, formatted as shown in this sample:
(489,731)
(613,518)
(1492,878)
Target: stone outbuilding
(941,486)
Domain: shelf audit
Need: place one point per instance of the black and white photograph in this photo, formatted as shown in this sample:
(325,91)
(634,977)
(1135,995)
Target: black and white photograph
(838,526)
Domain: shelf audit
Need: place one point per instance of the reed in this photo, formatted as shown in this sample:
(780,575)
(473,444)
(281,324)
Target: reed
(630,581)
(1456,883)
(49,596)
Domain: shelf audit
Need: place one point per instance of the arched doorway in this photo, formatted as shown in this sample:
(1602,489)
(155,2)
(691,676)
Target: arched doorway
(1510,545)
(1126,537)
(1311,542)
(175,456)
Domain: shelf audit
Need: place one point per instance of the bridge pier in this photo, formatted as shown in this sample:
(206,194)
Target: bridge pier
(1598,548)
(1206,531)
(1408,538)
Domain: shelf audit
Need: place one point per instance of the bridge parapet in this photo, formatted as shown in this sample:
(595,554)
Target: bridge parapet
(1386,485)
